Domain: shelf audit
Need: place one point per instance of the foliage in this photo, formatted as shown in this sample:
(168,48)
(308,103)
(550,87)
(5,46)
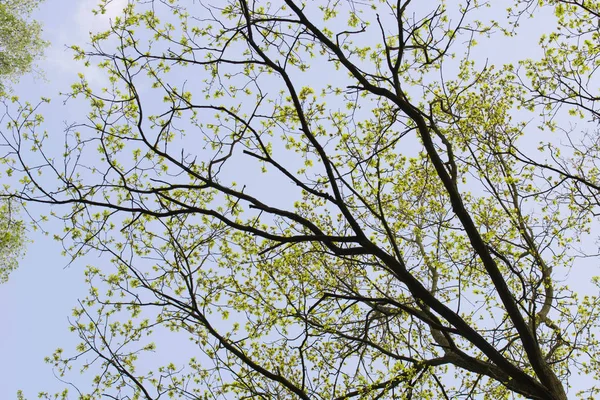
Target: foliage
(333,200)
(20,45)
(12,240)
(20,40)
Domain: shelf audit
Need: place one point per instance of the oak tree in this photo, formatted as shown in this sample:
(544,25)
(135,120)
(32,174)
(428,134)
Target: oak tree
(330,200)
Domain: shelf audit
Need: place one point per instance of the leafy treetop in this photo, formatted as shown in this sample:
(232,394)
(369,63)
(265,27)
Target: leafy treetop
(333,200)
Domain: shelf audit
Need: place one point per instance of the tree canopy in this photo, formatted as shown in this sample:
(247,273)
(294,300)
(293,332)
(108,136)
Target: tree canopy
(20,39)
(12,240)
(330,200)
(20,45)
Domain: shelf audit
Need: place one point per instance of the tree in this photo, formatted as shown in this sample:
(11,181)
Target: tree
(333,200)
(12,240)
(20,46)
(20,39)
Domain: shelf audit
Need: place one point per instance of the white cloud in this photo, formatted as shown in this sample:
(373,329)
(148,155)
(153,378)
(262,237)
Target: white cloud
(75,29)
(87,22)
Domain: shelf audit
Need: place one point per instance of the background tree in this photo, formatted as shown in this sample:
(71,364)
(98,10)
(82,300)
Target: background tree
(334,200)
(20,45)
(20,39)
(12,240)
